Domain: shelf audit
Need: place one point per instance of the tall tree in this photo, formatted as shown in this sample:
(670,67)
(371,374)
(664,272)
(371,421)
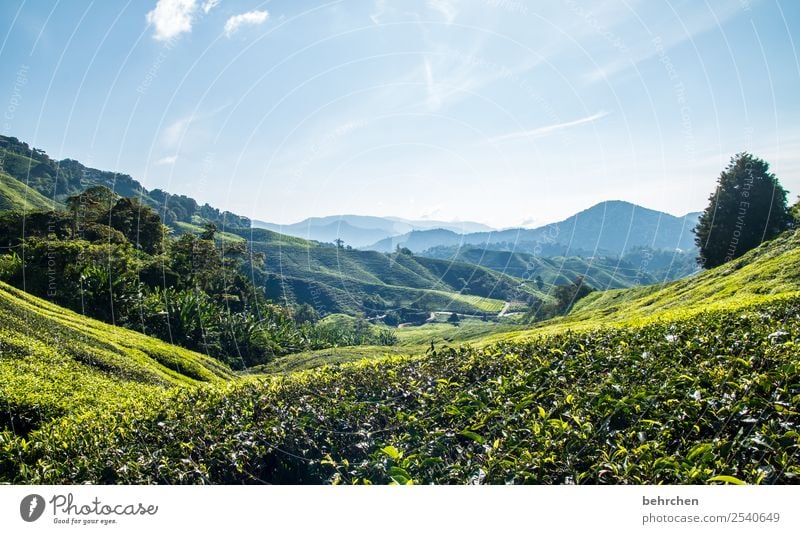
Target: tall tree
(747,208)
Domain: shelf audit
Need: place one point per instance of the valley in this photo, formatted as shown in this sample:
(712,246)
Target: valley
(146,339)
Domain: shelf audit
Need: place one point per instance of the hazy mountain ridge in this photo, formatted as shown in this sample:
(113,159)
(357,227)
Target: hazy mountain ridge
(362,230)
(612,227)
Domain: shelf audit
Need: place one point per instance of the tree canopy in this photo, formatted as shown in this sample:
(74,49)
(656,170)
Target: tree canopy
(747,208)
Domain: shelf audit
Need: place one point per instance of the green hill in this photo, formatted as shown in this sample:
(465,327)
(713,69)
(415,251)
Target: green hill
(641,267)
(15,195)
(55,363)
(692,382)
(39,176)
(335,280)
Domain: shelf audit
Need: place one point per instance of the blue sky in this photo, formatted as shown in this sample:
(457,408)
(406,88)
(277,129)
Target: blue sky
(506,112)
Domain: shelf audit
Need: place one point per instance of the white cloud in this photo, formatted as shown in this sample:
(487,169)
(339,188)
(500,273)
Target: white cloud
(547,130)
(174,132)
(251,18)
(447,8)
(209,5)
(167,160)
(172,18)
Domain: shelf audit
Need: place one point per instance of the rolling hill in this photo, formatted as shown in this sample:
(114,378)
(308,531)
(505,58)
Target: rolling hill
(345,280)
(669,386)
(608,228)
(15,195)
(639,267)
(56,363)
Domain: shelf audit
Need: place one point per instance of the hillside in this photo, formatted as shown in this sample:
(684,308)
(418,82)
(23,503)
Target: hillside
(640,267)
(644,405)
(608,228)
(15,195)
(55,363)
(38,176)
(347,280)
(651,385)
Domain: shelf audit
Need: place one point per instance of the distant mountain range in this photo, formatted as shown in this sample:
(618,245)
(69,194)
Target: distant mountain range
(360,231)
(613,227)
(458,266)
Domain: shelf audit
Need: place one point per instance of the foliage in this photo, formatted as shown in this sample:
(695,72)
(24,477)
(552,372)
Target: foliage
(747,208)
(640,405)
(564,298)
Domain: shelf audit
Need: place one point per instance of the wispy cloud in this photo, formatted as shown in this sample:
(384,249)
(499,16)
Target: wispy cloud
(447,8)
(551,128)
(251,18)
(171,18)
(189,129)
(173,133)
(167,160)
(691,20)
(209,5)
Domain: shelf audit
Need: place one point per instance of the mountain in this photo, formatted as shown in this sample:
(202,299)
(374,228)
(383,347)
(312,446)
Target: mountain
(608,228)
(31,179)
(362,230)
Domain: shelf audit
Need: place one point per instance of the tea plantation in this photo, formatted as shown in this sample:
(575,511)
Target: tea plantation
(691,393)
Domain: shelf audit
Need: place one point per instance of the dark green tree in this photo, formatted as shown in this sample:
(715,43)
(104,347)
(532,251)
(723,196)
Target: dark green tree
(539,282)
(209,230)
(454,319)
(747,208)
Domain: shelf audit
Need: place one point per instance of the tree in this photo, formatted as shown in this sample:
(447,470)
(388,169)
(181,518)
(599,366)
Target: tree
(339,242)
(305,313)
(747,208)
(140,224)
(209,230)
(567,295)
(454,319)
(539,282)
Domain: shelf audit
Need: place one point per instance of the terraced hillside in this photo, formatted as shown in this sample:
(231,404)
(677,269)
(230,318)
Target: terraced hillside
(345,280)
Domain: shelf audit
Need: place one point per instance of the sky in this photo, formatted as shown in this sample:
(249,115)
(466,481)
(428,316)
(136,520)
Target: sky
(505,112)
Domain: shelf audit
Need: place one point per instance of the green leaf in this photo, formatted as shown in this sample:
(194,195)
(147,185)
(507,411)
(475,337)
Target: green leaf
(727,479)
(392,452)
(698,450)
(473,436)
